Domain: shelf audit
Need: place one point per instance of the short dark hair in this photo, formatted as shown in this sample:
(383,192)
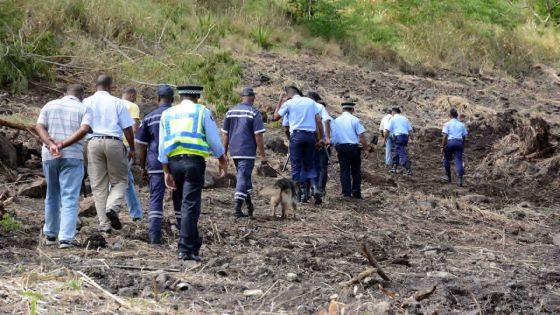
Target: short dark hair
(75,89)
(129,90)
(453,112)
(396,110)
(104,81)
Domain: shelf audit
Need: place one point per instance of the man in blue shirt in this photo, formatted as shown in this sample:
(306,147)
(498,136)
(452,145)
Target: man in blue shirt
(304,122)
(147,139)
(243,133)
(401,130)
(453,145)
(348,134)
(322,152)
(187,135)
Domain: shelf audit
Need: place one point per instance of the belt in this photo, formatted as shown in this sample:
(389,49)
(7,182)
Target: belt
(400,134)
(456,140)
(185,156)
(347,144)
(306,131)
(106,137)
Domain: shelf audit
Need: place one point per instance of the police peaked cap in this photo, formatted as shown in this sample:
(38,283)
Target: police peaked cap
(348,105)
(189,89)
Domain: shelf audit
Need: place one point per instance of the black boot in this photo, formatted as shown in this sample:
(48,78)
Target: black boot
(394,169)
(409,171)
(302,192)
(238,213)
(447,177)
(317,194)
(460,183)
(250,207)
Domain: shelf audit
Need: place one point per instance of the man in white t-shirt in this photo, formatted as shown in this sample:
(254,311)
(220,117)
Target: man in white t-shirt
(386,136)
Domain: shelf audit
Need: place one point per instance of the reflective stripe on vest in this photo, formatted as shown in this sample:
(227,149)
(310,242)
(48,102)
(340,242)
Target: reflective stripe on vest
(184,133)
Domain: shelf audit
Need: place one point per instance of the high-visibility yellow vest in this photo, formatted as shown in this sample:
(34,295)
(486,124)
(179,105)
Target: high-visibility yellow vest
(184,133)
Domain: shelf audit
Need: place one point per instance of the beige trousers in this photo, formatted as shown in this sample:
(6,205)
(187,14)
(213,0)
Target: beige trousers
(107,164)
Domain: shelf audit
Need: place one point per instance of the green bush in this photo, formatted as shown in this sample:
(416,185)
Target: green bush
(9,223)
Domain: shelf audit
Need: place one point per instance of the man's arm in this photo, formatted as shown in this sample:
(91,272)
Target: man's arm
(51,145)
(214,141)
(129,135)
(277,115)
(75,137)
(319,126)
(136,125)
(260,145)
(287,132)
(363,143)
(225,142)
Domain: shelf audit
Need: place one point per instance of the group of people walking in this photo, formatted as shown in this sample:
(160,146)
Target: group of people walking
(173,143)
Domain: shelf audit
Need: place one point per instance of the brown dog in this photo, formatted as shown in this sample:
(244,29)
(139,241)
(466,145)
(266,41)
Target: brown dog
(282,193)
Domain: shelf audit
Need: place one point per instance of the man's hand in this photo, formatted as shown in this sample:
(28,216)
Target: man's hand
(223,165)
(54,149)
(365,153)
(132,156)
(169,181)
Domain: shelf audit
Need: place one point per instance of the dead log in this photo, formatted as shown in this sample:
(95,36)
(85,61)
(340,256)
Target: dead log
(359,277)
(422,296)
(374,263)
(9,124)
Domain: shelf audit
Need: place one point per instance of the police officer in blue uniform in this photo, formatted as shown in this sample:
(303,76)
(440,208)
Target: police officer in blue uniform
(243,133)
(322,152)
(453,145)
(401,130)
(305,121)
(187,136)
(147,139)
(349,139)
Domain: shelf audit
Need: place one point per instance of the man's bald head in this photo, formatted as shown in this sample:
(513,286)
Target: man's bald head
(129,94)
(76,90)
(104,82)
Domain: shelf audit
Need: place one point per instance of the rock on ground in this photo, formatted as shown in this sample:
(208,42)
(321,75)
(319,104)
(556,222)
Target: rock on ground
(36,189)
(276,144)
(8,154)
(87,207)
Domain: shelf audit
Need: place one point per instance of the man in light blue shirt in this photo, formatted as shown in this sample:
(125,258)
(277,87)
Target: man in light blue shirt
(401,130)
(322,153)
(348,135)
(453,145)
(304,121)
(107,156)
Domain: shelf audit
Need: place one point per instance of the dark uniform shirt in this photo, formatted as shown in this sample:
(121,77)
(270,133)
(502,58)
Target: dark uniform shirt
(148,134)
(241,125)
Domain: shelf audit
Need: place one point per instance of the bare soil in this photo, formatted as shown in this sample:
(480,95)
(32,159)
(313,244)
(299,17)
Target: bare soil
(487,248)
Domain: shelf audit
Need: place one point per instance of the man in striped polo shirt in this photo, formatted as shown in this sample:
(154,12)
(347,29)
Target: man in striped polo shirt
(243,133)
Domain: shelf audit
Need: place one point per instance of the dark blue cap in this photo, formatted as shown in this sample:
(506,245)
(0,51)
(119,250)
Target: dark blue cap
(248,91)
(165,90)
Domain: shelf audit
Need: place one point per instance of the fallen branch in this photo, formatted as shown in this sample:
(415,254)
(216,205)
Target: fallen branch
(422,296)
(144,268)
(374,263)
(109,294)
(359,277)
(9,124)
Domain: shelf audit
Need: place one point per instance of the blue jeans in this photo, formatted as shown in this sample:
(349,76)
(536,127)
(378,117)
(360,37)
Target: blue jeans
(454,148)
(64,181)
(322,167)
(388,153)
(302,153)
(244,185)
(131,196)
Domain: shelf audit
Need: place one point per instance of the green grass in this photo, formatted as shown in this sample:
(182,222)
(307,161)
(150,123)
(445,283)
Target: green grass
(9,224)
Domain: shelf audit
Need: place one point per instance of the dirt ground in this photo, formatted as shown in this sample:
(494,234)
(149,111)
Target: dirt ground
(487,248)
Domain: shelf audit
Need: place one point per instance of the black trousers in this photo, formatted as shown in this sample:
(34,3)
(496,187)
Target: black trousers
(188,173)
(350,159)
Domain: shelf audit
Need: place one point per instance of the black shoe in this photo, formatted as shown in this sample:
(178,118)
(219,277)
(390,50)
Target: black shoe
(250,207)
(460,183)
(393,169)
(409,172)
(318,200)
(238,212)
(136,219)
(102,230)
(189,256)
(357,196)
(155,241)
(67,244)
(114,218)
(50,240)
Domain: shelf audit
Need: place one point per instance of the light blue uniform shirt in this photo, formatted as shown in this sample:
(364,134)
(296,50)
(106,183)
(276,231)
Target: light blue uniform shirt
(110,115)
(399,125)
(209,126)
(325,118)
(302,111)
(455,129)
(346,129)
